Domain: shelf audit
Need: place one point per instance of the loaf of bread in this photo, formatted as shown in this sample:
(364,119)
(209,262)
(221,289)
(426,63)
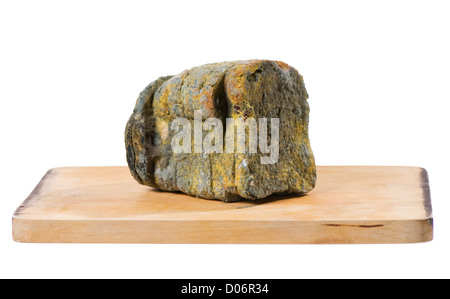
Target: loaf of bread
(228,131)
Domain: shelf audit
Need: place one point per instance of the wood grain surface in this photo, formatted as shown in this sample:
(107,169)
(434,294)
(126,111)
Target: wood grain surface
(350,204)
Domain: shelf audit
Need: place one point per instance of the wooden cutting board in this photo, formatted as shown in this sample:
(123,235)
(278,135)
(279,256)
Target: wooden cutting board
(350,204)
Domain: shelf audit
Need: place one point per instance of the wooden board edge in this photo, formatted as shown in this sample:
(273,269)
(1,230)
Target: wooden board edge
(426,194)
(29,200)
(222,232)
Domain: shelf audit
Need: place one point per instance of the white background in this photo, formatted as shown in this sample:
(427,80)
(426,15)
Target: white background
(377,73)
